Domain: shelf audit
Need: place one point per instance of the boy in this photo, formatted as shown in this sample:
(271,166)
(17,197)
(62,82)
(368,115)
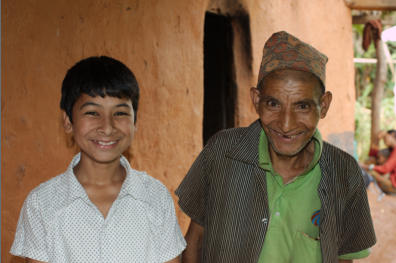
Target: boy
(380,171)
(100,209)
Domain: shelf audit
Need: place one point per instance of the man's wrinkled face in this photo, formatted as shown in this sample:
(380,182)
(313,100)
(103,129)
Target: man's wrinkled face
(290,104)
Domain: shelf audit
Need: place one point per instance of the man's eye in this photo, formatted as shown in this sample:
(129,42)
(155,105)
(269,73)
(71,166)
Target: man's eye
(272,104)
(303,106)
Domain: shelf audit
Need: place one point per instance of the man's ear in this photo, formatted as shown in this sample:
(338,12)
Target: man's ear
(325,102)
(255,96)
(67,123)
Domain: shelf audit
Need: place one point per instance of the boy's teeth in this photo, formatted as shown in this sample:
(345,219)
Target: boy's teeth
(106,143)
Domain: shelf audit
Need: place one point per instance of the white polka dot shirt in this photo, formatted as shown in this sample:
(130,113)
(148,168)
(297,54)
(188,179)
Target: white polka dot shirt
(58,222)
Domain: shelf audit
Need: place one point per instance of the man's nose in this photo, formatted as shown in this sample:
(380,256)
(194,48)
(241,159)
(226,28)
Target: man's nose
(287,120)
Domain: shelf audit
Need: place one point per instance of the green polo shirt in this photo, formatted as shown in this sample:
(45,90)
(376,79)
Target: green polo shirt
(293,230)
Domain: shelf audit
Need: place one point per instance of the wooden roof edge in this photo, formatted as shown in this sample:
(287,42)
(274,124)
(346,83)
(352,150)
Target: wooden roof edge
(371,4)
(364,18)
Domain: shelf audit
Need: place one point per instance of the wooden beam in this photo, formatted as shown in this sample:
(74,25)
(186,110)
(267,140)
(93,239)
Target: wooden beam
(368,61)
(363,19)
(371,4)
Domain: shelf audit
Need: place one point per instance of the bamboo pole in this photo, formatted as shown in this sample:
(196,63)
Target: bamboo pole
(378,91)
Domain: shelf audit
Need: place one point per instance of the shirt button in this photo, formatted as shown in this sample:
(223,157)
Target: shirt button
(277,214)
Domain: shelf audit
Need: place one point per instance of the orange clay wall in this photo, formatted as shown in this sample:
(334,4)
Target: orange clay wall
(162,42)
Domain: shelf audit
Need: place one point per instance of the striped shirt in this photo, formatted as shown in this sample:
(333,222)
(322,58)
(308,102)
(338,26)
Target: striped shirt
(225,191)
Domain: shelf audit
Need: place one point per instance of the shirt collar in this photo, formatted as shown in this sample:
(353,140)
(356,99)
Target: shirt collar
(264,156)
(245,148)
(133,184)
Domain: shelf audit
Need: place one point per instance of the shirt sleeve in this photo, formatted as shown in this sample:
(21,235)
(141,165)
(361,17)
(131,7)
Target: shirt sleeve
(357,255)
(357,226)
(30,233)
(172,240)
(192,191)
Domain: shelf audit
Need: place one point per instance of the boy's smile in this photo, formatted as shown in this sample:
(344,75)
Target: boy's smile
(103,128)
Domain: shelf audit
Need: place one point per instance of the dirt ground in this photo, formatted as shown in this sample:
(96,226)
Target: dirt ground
(383,211)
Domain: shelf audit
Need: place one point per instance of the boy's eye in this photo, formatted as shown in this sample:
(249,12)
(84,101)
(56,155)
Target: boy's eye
(92,113)
(121,113)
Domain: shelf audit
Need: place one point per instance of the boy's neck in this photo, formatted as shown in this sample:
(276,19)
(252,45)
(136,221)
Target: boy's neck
(101,181)
(94,173)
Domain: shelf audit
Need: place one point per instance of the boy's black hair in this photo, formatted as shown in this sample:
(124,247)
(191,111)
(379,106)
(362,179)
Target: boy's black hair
(391,132)
(103,76)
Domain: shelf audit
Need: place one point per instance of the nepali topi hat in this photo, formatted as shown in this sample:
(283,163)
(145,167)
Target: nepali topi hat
(284,51)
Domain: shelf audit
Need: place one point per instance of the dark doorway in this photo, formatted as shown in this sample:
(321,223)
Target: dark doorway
(219,75)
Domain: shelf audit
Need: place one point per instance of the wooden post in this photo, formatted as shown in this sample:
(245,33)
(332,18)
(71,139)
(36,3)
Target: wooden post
(378,90)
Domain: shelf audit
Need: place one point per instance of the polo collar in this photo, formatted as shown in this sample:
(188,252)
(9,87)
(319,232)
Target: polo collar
(133,184)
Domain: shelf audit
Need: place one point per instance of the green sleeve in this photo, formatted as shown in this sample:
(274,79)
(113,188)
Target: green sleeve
(356,255)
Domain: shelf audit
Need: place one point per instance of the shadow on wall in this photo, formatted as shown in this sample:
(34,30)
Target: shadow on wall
(343,140)
(17,260)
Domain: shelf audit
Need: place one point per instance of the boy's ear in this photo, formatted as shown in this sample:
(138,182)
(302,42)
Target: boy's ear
(67,123)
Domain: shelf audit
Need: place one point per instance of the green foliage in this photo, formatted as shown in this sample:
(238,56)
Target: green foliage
(363,124)
(364,83)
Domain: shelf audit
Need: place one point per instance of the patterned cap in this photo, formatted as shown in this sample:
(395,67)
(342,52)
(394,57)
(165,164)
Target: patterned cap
(284,51)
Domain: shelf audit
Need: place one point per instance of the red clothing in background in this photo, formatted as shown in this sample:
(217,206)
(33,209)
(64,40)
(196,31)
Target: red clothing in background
(373,152)
(388,167)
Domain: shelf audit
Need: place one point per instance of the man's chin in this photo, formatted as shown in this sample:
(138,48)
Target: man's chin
(289,154)
(290,151)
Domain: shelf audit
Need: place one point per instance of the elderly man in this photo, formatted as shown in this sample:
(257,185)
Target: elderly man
(274,191)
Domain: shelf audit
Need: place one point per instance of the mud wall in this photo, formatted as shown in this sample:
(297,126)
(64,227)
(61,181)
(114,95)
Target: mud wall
(327,25)
(162,42)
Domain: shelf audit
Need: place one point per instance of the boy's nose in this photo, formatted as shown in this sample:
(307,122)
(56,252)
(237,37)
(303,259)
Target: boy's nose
(106,126)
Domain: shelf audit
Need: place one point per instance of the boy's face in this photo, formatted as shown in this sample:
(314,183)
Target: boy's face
(381,159)
(103,128)
(389,140)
